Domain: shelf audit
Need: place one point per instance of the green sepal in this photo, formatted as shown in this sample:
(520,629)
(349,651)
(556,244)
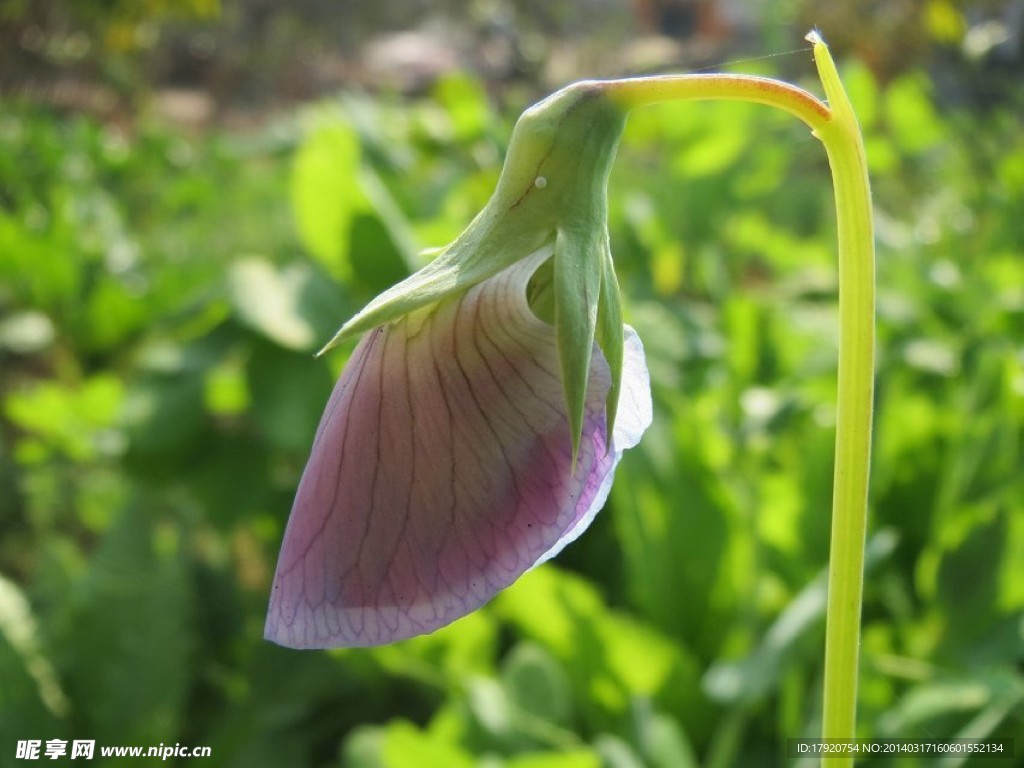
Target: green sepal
(556,169)
(474,257)
(609,333)
(577,292)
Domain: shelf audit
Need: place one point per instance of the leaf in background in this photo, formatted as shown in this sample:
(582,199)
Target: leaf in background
(454,653)
(233,455)
(658,742)
(537,684)
(74,421)
(529,707)
(283,708)
(968,566)
(346,216)
(493,713)
(26,333)
(288,395)
(465,103)
(324,191)
(165,412)
(576,758)
(31,696)
(662,741)
(617,753)
(609,657)
(377,262)
(268,300)
(112,314)
(406,745)
(937,706)
(35,266)
(126,637)
(752,677)
(383,249)
(674,524)
(910,115)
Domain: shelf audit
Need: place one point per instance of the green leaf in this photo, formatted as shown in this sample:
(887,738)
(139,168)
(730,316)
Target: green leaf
(31,696)
(268,300)
(609,331)
(610,657)
(288,395)
(37,267)
(974,542)
(26,332)
(453,653)
(324,190)
(294,305)
(950,699)
(74,421)
(377,261)
(537,684)
(164,413)
(752,677)
(910,115)
(466,105)
(576,758)
(406,745)
(663,742)
(578,277)
(403,252)
(127,636)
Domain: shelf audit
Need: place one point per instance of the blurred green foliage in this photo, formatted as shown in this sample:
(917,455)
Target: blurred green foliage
(160,300)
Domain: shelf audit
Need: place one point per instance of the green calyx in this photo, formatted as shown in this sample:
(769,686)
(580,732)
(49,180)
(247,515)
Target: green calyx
(552,191)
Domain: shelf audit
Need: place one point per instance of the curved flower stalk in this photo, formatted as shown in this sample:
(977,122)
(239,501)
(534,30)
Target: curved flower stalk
(443,469)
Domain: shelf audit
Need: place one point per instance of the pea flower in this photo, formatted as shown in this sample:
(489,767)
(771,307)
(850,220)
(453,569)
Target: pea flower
(476,428)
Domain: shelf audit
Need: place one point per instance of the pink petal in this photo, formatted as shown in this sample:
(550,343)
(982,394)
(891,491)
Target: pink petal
(635,415)
(442,471)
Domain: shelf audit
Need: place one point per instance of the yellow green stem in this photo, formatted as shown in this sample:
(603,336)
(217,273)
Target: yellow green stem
(845,150)
(836,126)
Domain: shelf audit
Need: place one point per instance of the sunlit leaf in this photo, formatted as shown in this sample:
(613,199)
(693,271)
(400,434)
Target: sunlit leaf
(324,191)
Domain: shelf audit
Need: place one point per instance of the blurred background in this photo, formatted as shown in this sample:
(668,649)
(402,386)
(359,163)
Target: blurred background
(194,194)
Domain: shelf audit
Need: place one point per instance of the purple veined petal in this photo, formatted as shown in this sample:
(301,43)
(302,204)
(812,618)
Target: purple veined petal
(442,470)
(636,412)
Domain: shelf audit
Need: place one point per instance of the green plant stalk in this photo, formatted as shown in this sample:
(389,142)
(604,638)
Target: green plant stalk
(836,126)
(845,149)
